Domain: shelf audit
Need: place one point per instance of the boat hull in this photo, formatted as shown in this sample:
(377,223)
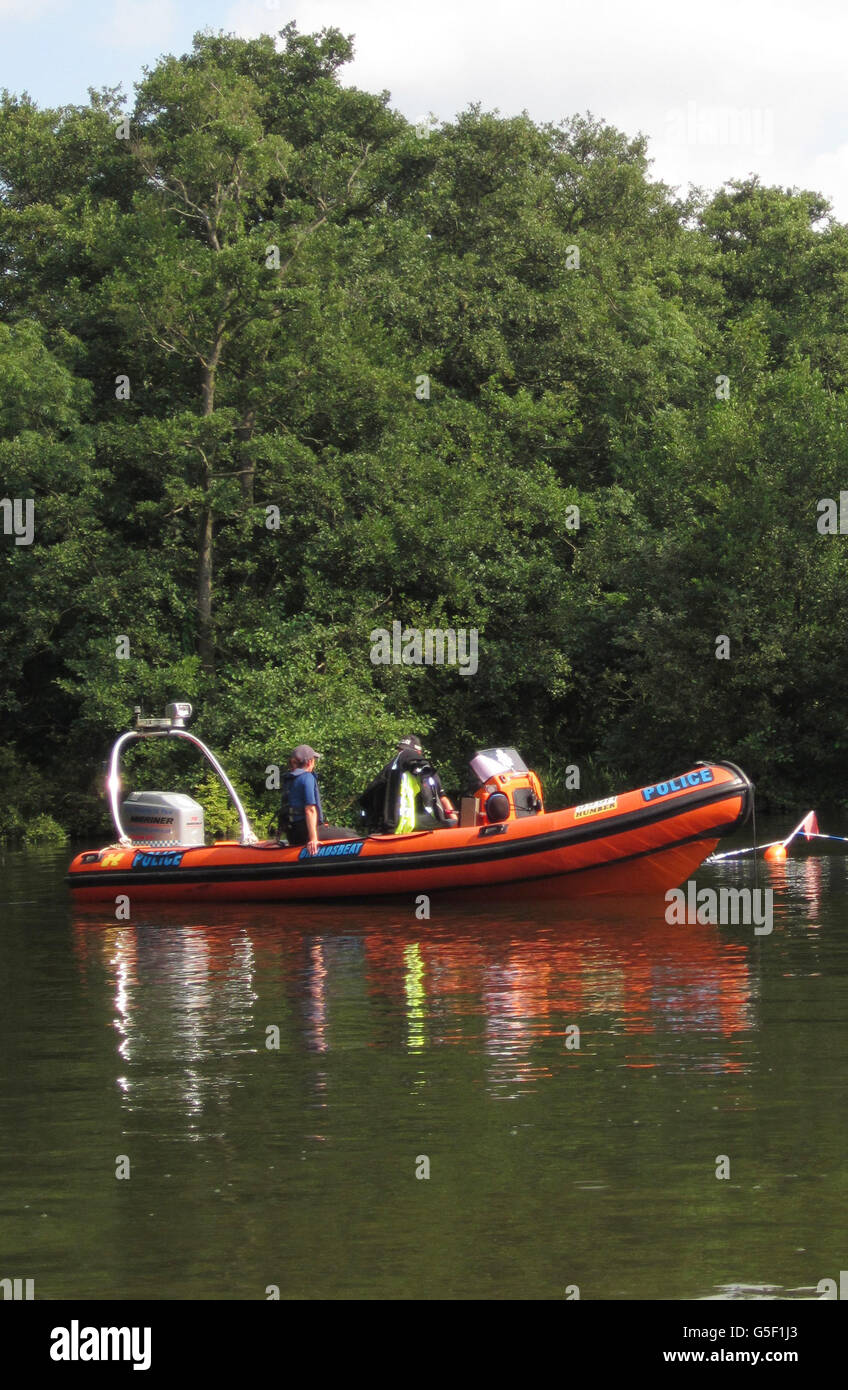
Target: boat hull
(644,841)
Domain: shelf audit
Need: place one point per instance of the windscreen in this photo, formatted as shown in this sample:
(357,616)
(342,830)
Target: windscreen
(490,761)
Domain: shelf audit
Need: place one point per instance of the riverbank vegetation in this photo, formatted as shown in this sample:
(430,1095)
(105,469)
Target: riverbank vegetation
(279,368)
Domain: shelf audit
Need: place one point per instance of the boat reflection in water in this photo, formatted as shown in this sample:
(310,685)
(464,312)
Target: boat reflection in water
(196,990)
(518,992)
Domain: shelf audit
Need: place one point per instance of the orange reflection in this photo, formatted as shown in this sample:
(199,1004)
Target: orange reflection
(635,979)
(507,985)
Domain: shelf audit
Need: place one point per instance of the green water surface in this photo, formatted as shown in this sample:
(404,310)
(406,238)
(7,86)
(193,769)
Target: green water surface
(409,1046)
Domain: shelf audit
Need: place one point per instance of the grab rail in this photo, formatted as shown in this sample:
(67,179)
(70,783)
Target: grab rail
(114,780)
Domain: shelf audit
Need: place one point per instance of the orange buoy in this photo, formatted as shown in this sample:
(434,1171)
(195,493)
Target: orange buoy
(775,852)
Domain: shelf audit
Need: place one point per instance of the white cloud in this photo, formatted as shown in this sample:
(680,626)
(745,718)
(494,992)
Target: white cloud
(777,65)
(830,174)
(132,23)
(29,9)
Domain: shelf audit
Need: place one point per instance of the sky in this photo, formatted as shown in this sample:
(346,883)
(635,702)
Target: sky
(722,90)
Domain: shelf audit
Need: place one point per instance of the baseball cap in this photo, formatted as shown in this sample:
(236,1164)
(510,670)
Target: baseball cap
(303,753)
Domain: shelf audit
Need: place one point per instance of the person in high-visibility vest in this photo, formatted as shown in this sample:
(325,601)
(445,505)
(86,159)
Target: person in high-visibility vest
(407,794)
(410,790)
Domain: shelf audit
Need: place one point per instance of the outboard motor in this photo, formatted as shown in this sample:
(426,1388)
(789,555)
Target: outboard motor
(163,818)
(508,788)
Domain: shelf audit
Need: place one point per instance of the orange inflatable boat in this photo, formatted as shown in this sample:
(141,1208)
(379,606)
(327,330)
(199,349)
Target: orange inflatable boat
(642,841)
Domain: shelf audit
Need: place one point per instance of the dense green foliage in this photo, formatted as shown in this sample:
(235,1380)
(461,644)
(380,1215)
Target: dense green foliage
(274,262)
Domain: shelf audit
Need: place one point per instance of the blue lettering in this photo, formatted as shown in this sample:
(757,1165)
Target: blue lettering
(676,784)
(346,847)
(156,861)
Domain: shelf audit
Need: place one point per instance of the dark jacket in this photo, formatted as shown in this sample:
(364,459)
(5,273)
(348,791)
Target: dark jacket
(379,804)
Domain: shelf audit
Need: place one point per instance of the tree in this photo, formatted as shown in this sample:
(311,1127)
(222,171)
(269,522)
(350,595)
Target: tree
(231,199)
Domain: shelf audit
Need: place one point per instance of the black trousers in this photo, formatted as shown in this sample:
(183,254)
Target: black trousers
(299,834)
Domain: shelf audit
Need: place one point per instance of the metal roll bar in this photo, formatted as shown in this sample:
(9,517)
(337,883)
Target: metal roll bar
(114,781)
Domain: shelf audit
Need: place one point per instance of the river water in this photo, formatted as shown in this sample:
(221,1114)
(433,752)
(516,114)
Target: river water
(220,1103)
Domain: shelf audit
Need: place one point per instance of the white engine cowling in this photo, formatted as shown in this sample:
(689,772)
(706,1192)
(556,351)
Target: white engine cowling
(169,818)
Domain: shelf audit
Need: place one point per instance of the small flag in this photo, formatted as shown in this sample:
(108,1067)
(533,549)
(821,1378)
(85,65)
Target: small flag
(810,825)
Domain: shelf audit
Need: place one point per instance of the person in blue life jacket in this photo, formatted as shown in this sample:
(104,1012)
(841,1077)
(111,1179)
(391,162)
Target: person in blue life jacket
(306,823)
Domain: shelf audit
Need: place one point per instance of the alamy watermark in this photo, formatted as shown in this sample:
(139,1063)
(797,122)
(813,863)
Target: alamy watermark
(832,515)
(18,519)
(750,126)
(77,1343)
(424,126)
(434,646)
(721,907)
(23,1289)
(828,1288)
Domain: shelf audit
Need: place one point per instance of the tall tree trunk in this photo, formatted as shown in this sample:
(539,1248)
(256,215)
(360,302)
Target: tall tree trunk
(248,470)
(205,628)
(206,535)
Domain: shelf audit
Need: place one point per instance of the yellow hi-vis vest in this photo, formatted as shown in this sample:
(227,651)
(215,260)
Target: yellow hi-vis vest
(409,789)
